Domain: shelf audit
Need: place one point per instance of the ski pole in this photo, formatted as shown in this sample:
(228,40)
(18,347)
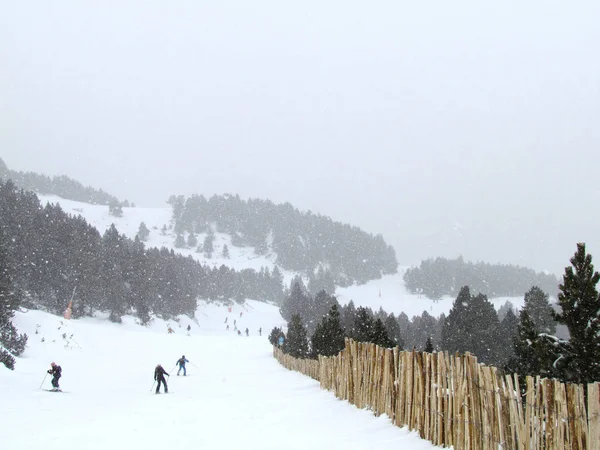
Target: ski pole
(152,385)
(43,380)
(194,365)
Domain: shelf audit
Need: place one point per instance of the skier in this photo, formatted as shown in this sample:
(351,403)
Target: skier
(189,328)
(56,373)
(181,363)
(247,332)
(159,377)
(260,331)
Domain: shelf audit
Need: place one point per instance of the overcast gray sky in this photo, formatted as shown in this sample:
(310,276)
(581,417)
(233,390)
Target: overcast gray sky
(450,127)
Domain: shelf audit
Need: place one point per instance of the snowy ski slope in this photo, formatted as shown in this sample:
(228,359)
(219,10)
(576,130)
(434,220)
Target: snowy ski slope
(235,397)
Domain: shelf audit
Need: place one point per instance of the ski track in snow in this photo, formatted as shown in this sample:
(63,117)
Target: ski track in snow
(236,397)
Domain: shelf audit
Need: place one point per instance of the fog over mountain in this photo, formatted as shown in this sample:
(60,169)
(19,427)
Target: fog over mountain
(449,127)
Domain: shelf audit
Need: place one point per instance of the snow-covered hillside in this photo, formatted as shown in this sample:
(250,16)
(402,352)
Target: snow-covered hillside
(236,395)
(389,292)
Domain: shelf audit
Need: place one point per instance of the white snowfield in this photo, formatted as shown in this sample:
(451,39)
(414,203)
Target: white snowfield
(236,395)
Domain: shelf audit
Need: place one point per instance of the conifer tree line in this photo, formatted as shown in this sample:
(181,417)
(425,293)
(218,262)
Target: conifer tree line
(316,315)
(49,253)
(437,277)
(11,342)
(318,325)
(61,186)
(472,325)
(539,352)
(303,242)
(523,344)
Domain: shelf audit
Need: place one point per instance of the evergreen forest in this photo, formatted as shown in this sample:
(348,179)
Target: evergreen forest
(303,242)
(437,277)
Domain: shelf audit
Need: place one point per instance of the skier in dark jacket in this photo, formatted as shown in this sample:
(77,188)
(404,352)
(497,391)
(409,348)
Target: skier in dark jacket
(181,363)
(56,373)
(159,377)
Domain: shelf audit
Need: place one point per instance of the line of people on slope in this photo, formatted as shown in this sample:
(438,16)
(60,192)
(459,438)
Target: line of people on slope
(159,374)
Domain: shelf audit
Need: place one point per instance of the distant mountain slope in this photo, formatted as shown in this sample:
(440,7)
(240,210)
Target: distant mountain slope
(158,221)
(61,186)
(302,241)
(388,292)
(437,277)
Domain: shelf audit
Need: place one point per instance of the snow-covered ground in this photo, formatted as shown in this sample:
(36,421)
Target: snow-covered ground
(236,395)
(388,292)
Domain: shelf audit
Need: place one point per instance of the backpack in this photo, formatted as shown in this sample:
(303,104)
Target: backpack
(58,370)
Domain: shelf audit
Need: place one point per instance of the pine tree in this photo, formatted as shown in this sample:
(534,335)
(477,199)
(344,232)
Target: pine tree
(192,240)
(179,241)
(347,318)
(225,253)
(540,311)
(380,336)
(455,333)
(328,338)
(296,303)
(534,354)
(471,326)
(143,232)
(507,330)
(580,312)
(429,345)
(208,245)
(115,209)
(393,329)
(364,326)
(296,342)
(11,343)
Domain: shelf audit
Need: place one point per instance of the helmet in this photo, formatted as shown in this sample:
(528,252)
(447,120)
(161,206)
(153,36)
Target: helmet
(53,363)
(183,356)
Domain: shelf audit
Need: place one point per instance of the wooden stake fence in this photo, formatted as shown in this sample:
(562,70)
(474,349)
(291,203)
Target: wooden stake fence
(451,400)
